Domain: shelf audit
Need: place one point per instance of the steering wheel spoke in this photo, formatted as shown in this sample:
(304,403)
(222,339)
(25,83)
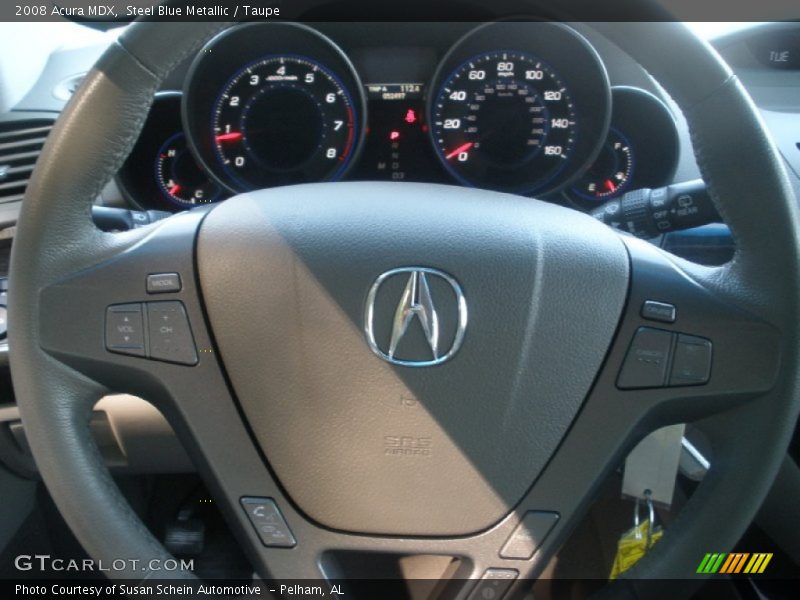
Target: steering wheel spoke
(133,321)
(685,348)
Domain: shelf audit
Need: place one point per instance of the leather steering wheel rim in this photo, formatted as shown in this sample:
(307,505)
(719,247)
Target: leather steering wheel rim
(55,237)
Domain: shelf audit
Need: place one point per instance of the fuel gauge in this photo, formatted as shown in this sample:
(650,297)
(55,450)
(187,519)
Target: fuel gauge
(180,178)
(640,150)
(612,172)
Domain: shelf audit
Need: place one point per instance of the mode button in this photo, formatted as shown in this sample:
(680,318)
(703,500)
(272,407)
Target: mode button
(162,283)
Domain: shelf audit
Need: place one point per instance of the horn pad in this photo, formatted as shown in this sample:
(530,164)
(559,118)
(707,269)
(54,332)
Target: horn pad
(408,356)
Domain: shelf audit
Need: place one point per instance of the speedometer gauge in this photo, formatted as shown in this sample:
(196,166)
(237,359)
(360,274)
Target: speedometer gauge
(282,120)
(519,107)
(506,120)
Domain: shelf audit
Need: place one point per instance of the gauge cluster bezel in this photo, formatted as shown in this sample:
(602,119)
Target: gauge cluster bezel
(641,116)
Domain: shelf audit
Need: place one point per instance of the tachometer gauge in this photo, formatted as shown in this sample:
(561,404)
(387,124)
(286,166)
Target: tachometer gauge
(519,107)
(612,171)
(179,177)
(284,119)
(269,104)
(506,120)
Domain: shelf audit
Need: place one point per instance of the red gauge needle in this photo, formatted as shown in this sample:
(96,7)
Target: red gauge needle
(460,149)
(175,190)
(233,136)
(610,185)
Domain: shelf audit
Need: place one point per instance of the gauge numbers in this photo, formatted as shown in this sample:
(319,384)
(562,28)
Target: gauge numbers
(283,120)
(504,120)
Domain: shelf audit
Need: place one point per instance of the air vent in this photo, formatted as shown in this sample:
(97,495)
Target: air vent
(20,145)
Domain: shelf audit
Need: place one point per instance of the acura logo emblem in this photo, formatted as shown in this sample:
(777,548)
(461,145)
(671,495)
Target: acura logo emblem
(417,303)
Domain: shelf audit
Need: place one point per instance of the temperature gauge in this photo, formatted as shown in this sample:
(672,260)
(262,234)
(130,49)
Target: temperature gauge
(180,178)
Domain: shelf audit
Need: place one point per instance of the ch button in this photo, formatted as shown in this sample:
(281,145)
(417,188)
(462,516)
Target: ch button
(169,333)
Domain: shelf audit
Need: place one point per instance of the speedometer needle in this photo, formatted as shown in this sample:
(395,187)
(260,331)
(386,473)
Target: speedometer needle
(460,149)
(233,136)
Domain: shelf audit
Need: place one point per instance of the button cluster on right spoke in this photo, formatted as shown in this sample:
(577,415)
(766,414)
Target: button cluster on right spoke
(660,358)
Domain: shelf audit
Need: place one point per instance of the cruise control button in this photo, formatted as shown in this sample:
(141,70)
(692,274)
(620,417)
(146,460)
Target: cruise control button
(493,585)
(529,535)
(162,283)
(658,311)
(124,329)
(646,363)
(268,522)
(692,362)
(169,332)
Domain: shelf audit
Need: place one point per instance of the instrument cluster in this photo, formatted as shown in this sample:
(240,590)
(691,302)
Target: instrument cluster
(520,107)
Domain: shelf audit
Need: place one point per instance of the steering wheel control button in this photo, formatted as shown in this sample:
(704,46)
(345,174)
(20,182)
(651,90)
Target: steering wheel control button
(268,522)
(169,333)
(529,535)
(659,311)
(647,360)
(163,283)
(691,364)
(125,330)
(494,584)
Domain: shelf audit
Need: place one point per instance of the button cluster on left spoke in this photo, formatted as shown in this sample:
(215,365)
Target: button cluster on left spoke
(154,330)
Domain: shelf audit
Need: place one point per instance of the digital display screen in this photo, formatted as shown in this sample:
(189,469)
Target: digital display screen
(397,147)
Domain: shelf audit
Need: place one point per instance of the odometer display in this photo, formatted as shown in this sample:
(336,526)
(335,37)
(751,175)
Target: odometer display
(284,120)
(504,120)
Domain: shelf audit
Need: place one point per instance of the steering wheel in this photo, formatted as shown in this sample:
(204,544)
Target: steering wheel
(266,373)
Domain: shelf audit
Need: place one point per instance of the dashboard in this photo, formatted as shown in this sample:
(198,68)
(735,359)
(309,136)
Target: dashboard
(522,107)
(392,73)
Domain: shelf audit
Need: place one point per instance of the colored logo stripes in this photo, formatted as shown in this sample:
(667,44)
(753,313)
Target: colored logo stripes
(735,562)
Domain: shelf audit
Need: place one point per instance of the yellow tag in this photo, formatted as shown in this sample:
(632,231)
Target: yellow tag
(632,546)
